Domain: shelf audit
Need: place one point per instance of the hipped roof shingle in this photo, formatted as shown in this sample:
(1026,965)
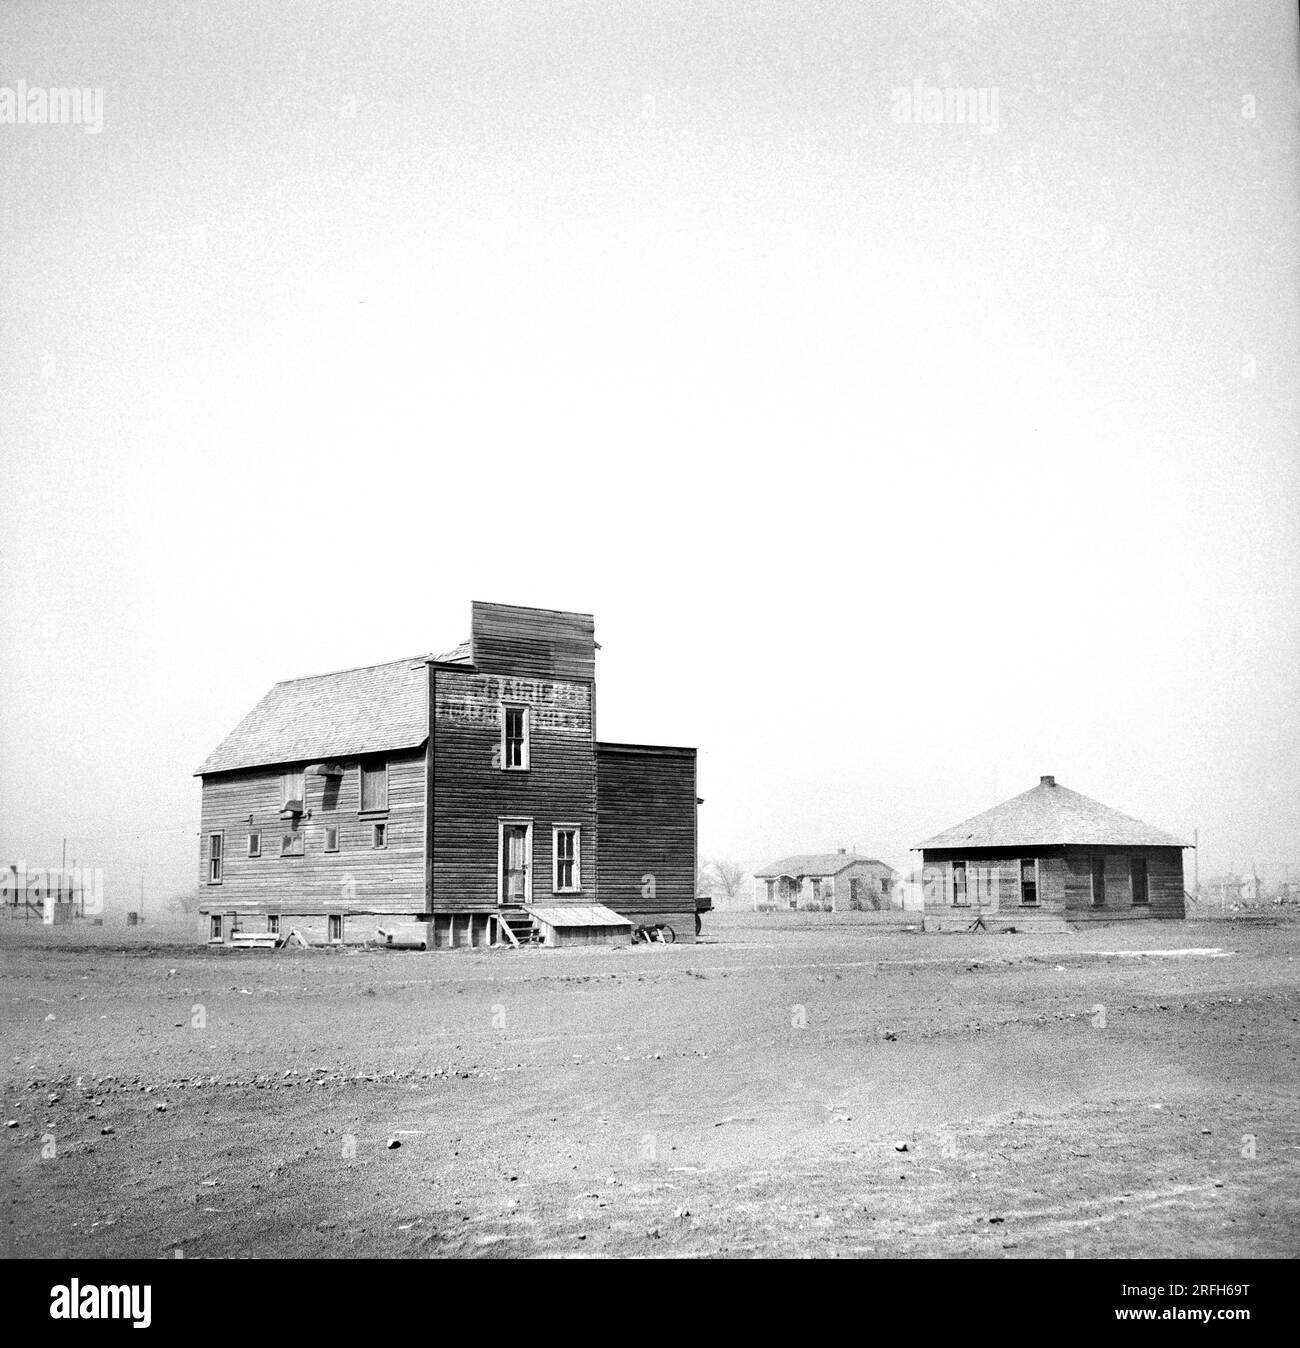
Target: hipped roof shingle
(1048,815)
(816,863)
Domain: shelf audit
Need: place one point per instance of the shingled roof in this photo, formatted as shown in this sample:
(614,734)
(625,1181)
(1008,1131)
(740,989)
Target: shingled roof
(375,709)
(815,863)
(1048,815)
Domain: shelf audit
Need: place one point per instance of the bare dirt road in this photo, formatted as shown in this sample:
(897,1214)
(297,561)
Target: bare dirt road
(793,1085)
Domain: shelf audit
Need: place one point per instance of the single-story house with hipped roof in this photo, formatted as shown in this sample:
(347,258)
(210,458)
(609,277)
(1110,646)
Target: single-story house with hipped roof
(826,880)
(1050,854)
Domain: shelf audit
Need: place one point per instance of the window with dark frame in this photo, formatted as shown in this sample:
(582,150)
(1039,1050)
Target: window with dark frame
(567,880)
(255,844)
(1138,880)
(514,747)
(1029,882)
(214,858)
(214,928)
(374,786)
(336,927)
(273,923)
(379,835)
(960,898)
(1099,882)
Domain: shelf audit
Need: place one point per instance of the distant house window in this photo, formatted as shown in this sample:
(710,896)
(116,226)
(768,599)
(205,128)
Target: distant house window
(293,790)
(291,843)
(1138,879)
(331,837)
(1099,882)
(214,927)
(514,738)
(960,897)
(1028,881)
(254,844)
(273,923)
(567,853)
(855,892)
(215,841)
(374,787)
(379,835)
(336,927)
(816,889)
(771,891)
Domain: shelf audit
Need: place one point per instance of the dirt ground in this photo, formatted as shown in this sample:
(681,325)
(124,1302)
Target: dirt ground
(795,1084)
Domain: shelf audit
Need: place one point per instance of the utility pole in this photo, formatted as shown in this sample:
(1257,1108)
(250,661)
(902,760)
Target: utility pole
(142,898)
(1196,862)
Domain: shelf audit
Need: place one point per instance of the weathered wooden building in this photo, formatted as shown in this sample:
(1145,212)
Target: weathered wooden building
(1050,855)
(459,790)
(826,881)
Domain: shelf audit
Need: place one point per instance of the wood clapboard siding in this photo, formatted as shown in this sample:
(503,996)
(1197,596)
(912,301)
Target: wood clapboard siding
(470,791)
(537,643)
(357,878)
(647,827)
(1064,881)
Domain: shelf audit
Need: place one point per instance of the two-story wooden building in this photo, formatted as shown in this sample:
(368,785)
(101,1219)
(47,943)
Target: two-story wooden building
(1050,854)
(461,790)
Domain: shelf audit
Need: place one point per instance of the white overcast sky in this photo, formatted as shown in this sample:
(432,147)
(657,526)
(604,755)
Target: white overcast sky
(899,464)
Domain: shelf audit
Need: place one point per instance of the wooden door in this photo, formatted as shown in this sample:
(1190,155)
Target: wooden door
(514,863)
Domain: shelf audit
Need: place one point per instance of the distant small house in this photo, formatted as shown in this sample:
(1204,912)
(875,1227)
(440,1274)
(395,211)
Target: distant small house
(1051,851)
(1225,890)
(826,880)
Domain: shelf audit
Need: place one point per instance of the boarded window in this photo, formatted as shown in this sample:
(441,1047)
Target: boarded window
(1138,878)
(214,858)
(566,860)
(514,748)
(1099,882)
(960,897)
(291,844)
(331,837)
(1028,881)
(374,786)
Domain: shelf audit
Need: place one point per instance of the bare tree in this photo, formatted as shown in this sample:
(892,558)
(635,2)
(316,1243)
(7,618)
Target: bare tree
(729,875)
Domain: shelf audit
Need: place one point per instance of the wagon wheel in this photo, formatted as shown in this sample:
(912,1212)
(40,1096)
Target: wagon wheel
(667,934)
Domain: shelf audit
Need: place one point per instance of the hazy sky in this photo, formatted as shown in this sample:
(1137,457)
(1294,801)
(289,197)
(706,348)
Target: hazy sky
(899,463)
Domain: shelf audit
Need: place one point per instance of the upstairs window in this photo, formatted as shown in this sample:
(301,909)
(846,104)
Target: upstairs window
(1138,879)
(255,844)
(215,858)
(331,837)
(1028,881)
(514,738)
(567,852)
(291,843)
(379,835)
(374,786)
(293,791)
